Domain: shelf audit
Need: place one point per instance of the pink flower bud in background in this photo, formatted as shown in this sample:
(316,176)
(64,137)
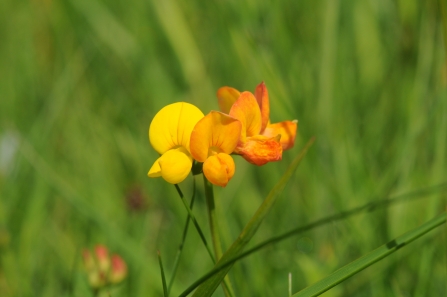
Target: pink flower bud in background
(96,278)
(101,269)
(119,269)
(102,256)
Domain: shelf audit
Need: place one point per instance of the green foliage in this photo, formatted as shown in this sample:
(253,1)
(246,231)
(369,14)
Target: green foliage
(81,80)
(208,287)
(370,258)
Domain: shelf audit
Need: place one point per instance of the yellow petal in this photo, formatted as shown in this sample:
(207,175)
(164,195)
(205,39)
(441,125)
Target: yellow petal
(247,111)
(259,149)
(226,96)
(174,166)
(155,170)
(286,129)
(262,96)
(219,169)
(216,131)
(172,126)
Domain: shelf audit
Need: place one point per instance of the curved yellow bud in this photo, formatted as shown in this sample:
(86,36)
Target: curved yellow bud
(219,169)
(174,166)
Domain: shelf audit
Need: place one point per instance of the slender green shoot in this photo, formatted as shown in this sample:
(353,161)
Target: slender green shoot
(358,265)
(163,278)
(185,233)
(443,8)
(290,284)
(209,194)
(371,206)
(196,224)
(209,286)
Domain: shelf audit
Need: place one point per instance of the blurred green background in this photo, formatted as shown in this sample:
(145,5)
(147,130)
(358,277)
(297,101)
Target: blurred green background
(81,80)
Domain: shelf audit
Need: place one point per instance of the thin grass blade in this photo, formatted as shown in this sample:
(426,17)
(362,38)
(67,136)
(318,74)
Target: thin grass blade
(368,207)
(208,287)
(182,243)
(163,278)
(371,258)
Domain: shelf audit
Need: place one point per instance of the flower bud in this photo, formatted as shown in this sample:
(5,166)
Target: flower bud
(118,271)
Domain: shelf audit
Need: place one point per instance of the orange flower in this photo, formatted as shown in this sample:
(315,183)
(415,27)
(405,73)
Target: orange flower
(213,139)
(260,141)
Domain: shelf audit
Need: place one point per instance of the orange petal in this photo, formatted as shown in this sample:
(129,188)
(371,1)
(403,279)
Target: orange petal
(247,111)
(286,129)
(259,150)
(226,96)
(219,169)
(262,96)
(217,131)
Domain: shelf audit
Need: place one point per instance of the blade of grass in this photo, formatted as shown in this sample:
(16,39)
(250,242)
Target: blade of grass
(196,224)
(443,7)
(371,258)
(208,287)
(185,233)
(371,206)
(227,286)
(163,278)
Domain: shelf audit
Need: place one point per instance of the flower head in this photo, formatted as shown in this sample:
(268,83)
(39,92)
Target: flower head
(169,135)
(102,269)
(213,139)
(118,270)
(260,141)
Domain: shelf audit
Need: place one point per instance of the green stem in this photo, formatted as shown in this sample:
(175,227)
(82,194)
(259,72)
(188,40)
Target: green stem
(163,278)
(209,194)
(199,230)
(443,7)
(185,233)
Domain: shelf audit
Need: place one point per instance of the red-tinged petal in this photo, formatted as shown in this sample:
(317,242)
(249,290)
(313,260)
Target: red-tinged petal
(102,255)
(286,129)
(226,96)
(262,97)
(219,169)
(247,111)
(259,150)
(118,271)
(217,131)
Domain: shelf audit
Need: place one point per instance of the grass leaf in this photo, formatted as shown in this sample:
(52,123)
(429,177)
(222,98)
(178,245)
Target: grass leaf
(209,286)
(163,278)
(369,259)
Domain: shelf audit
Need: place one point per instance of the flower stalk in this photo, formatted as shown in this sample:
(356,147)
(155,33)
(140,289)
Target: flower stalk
(211,206)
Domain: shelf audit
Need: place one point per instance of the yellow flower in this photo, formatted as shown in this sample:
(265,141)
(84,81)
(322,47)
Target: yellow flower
(169,135)
(260,141)
(212,141)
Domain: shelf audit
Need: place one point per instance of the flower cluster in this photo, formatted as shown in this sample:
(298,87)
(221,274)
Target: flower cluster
(181,133)
(102,269)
